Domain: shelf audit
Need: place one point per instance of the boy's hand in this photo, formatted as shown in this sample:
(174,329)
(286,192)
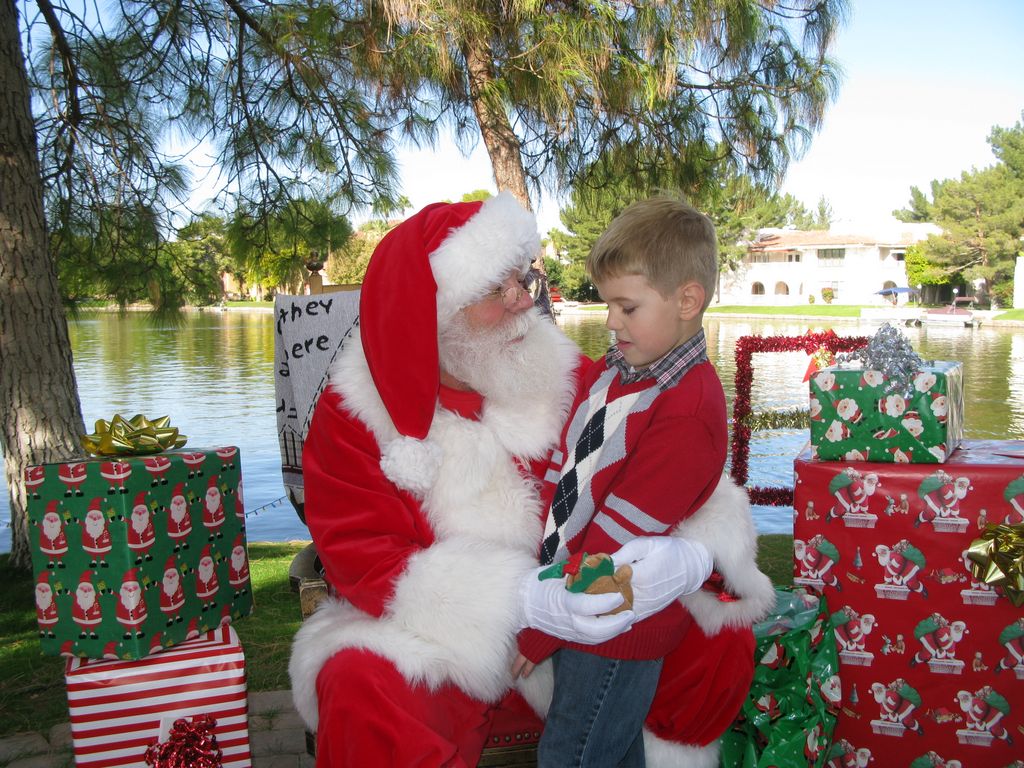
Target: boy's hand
(573,616)
(664,568)
(522,667)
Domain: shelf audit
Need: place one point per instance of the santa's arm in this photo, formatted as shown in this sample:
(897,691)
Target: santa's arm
(364,528)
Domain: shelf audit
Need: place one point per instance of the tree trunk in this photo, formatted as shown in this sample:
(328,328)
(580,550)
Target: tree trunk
(40,415)
(500,140)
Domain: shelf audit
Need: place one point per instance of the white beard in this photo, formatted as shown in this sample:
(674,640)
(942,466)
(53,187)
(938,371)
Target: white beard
(51,527)
(496,362)
(86,598)
(130,599)
(170,585)
(94,526)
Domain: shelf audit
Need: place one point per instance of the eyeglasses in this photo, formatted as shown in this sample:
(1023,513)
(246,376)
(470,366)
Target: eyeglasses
(509,296)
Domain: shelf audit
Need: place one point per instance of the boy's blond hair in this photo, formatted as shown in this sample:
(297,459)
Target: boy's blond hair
(666,240)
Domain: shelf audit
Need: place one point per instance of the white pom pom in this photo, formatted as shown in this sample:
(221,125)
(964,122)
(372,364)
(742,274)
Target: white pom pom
(411,464)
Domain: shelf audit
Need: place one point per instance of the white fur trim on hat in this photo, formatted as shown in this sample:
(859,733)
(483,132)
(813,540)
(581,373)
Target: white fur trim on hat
(501,238)
(411,464)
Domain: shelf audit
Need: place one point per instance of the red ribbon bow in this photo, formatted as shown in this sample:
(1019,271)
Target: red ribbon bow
(190,745)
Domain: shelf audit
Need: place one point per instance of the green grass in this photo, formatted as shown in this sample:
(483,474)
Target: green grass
(803,310)
(1010,314)
(32,694)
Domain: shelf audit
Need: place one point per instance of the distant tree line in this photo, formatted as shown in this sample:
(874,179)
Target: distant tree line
(982,219)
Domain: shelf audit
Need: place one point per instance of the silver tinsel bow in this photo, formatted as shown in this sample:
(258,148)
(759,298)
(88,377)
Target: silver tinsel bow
(890,352)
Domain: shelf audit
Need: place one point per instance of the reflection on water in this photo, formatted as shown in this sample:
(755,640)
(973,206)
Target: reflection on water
(213,376)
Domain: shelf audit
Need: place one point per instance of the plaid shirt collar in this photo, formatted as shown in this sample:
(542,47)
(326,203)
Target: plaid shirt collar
(669,369)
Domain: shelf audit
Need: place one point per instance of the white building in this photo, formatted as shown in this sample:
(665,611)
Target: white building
(785,267)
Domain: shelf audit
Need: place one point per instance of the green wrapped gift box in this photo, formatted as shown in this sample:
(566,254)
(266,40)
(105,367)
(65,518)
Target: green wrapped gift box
(790,713)
(133,554)
(859,414)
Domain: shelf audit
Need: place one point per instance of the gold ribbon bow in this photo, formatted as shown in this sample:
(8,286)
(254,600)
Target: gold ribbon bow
(998,559)
(135,436)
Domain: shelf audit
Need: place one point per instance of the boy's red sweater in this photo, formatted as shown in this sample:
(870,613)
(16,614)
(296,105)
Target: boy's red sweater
(675,454)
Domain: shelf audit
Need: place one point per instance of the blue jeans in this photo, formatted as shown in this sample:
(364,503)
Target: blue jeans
(597,711)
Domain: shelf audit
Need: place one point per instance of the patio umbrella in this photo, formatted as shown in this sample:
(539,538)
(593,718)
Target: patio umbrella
(891,291)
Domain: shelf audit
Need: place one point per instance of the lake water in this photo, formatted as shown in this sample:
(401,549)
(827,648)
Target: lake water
(213,376)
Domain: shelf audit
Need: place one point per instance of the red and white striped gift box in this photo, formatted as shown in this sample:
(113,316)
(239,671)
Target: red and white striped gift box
(119,708)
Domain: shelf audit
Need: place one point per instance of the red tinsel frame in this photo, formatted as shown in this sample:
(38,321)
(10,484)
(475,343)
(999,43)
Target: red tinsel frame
(746,346)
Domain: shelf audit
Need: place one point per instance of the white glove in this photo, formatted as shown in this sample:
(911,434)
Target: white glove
(574,616)
(664,568)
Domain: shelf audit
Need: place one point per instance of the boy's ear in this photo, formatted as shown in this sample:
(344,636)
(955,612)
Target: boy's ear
(691,300)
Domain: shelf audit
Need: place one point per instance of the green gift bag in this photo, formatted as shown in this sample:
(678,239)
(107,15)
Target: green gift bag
(789,716)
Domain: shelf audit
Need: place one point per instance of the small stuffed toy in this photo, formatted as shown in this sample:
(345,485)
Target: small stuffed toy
(595,575)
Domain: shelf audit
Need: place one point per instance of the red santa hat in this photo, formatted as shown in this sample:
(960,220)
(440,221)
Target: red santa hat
(52,506)
(157,643)
(212,482)
(179,490)
(205,552)
(238,542)
(443,258)
(171,564)
(85,578)
(131,575)
(94,505)
(140,499)
(44,578)
(110,650)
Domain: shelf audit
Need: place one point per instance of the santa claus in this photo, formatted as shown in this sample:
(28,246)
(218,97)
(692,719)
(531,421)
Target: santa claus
(172,596)
(206,580)
(53,542)
(96,535)
(941,495)
(34,477)
(238,568)
(131,605)
(157,466)
(239,505)
(213,509)
(140,534)
(72,475)
(116,473)
(46,606)
(86,611)
(179,522)
(421,470)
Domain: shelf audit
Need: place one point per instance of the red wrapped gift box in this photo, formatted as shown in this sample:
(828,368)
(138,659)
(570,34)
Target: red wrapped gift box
(119,708)
(931,659)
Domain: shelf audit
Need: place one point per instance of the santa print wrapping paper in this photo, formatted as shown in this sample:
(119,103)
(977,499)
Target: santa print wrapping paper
(120,708)
(931,660)
(135,554)
(862,415)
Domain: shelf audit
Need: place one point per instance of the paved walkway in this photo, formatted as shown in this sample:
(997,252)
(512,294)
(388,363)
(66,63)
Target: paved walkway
(277,739)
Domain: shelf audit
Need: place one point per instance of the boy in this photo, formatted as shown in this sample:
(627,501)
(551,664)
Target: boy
(644,447)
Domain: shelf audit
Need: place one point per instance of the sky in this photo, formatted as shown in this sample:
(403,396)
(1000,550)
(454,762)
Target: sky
(924,82)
